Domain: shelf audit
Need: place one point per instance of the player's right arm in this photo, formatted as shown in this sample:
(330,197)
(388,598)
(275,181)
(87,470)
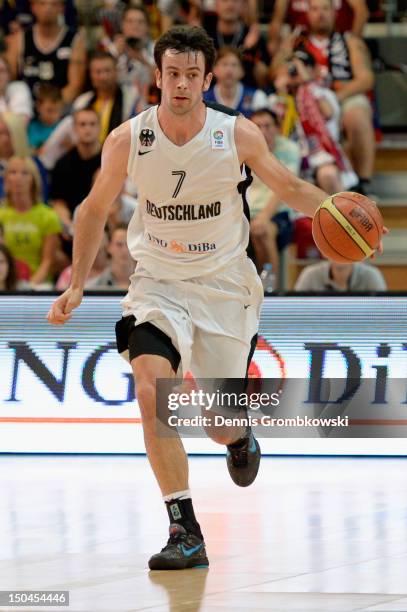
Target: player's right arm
(91,218)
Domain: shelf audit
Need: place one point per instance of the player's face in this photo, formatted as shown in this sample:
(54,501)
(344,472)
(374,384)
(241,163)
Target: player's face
(47,12)
(228,70)
(268,128)
(182,80)
(321,16)
(87,127)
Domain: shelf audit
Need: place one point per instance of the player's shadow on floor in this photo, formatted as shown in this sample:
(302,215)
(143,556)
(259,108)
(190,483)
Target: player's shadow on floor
(185,588)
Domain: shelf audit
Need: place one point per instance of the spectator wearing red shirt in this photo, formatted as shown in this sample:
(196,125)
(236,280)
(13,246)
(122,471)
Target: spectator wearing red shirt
(344,65)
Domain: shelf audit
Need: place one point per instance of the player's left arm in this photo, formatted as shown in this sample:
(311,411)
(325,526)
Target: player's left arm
(363,77)
(253,151)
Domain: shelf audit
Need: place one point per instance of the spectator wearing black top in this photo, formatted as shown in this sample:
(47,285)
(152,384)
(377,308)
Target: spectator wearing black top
(73,173)
(227,28)
(48,51)
(17,15)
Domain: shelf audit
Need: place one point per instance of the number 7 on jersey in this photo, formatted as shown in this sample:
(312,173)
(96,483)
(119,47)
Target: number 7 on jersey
(182,174)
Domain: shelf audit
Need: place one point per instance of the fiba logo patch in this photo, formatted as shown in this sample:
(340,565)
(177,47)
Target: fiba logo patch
(218,139)
(146,137)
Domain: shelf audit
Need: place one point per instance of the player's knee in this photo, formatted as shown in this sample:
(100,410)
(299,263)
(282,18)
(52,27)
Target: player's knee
(146,395)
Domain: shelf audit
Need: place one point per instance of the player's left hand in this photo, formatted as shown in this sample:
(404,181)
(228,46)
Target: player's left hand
(61,310)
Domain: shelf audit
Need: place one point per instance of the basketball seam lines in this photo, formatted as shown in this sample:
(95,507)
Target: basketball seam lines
(327,241)
(342,220)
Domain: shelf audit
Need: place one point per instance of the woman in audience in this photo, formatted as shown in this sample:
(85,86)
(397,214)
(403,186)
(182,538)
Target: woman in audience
(31,228)
(14,141)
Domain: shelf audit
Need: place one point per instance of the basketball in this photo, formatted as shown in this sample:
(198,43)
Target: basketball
(347,227)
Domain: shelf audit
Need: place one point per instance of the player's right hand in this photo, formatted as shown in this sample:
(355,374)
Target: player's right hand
(61,309)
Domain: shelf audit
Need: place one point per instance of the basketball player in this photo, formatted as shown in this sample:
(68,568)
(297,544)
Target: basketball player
(194,298)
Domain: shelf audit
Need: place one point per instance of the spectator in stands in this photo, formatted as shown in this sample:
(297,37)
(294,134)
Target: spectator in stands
(344,64)
(50,107)
(350,16)
(229,89)
(49,52)
(8,274)
(31,228)
(14,141)
(319,115)
(73,174)
(121,267)
(99,266)
(122,211)
(15,96)
(23,271)
(330,276)
(134,50)
(109,16)
(179,12)
(114,104)
(271,221)
(227,27)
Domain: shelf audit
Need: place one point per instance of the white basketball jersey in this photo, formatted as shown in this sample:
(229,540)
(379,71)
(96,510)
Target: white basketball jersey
(188,196)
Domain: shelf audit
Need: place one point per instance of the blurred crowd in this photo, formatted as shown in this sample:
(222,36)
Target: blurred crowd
(70,72)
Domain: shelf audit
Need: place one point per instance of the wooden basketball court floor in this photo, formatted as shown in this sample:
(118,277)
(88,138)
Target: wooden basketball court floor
(310,534)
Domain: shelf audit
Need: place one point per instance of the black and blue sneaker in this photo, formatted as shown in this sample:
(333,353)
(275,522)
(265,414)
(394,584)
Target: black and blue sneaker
(183,551)
(243,459)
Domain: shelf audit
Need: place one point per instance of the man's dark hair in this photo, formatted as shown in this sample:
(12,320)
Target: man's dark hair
(186,39)
(265,111)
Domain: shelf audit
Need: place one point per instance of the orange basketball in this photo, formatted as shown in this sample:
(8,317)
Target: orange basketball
(347,227)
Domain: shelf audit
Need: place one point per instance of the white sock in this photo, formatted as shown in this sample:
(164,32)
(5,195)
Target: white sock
(177,495)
